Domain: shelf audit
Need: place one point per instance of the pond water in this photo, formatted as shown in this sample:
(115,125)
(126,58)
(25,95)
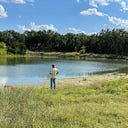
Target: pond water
(35,71)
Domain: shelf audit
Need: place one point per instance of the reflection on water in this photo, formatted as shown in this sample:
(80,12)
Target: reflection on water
(124,70)
(19,60)
(18,71)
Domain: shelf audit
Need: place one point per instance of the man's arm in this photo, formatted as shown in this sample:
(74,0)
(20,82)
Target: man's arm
(57,72)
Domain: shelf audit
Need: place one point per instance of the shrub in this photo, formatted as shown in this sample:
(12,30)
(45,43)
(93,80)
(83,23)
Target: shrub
(83,50)
(17,48)
(3,48)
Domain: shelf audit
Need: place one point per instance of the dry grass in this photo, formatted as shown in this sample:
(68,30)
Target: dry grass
(89,81)
(72,105)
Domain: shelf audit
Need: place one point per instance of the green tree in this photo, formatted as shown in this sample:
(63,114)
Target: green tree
(18,48)
(2,45)
(83,50)
(3,48)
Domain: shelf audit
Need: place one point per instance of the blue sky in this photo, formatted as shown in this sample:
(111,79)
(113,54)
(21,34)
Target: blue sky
(63,16)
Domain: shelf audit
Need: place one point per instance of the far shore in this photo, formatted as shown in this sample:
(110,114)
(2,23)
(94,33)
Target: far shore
(76,55)
(70,55)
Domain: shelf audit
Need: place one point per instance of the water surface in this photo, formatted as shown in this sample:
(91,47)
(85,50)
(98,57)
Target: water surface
(21,71)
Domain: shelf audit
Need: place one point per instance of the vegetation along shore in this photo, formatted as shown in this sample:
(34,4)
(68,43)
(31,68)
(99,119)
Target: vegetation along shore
(113,42)
(96,101)
(107,44)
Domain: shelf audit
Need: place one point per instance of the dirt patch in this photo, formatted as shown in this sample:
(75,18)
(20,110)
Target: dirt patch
(90,80)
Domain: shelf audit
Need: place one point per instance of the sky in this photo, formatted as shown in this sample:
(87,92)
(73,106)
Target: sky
(63,16)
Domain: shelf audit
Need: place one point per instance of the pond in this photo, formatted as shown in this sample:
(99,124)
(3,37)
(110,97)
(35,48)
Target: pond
(35,70)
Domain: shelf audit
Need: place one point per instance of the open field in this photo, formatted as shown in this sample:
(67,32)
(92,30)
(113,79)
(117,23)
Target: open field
(98,101)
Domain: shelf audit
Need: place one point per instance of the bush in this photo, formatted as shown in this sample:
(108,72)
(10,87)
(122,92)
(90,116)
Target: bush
(3,48)
(83,49)
(3,52)
(2,45)
(17,48)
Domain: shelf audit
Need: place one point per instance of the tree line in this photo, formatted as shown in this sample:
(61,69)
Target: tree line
(108,41)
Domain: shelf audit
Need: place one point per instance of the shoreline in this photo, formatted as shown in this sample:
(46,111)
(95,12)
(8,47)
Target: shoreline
(91,80)
(78,56)
(69,55)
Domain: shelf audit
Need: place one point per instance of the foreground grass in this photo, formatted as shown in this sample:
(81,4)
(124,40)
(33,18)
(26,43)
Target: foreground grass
(104,106)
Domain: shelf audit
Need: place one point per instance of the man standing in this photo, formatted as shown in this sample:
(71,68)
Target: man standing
(54,71)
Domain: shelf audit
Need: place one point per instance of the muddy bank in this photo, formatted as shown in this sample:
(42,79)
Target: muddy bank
(90,80)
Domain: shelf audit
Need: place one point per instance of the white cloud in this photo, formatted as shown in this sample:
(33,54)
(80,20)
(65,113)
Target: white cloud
(17,1)
(92,11)
(96,3)
(124,6)
(92,33)
(42,27)
(114,20)
(35,27)
(14,1)
(77,1)
(118,22)
(3,13)
(23,28)
(74,30)
(30,0)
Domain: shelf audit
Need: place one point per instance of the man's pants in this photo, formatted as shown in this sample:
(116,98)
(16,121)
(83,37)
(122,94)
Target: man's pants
(53,82)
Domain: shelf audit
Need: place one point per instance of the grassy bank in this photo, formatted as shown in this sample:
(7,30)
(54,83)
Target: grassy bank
(76,55)
(95,106)
(69,55)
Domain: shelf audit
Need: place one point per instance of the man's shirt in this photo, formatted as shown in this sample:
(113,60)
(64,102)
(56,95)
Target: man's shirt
(54,72)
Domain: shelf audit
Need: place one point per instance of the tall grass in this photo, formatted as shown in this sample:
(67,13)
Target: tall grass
(104,106)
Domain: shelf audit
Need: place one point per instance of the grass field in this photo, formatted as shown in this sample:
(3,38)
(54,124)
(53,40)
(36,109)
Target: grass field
(94,106)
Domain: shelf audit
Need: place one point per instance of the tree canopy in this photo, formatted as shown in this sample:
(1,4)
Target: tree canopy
(114,41)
